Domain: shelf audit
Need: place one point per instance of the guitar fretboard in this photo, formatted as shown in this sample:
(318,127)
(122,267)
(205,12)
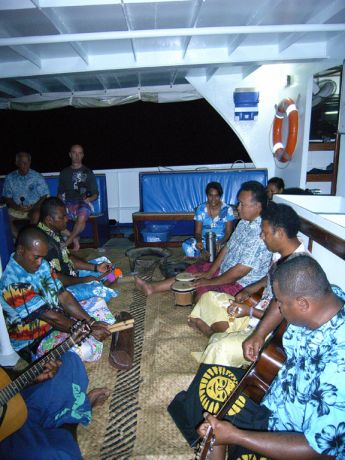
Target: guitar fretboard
(36,369)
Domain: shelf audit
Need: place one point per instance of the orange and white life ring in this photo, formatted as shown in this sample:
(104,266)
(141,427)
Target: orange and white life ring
(286,110)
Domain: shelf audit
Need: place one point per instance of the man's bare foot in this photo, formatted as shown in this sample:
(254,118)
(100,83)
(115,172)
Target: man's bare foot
(143,286)
(98,396)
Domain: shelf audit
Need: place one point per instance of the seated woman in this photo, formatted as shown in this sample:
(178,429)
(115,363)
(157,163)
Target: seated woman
(211,216)
(275,185)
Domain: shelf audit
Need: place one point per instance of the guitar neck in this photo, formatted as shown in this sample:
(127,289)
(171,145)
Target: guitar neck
(30,374)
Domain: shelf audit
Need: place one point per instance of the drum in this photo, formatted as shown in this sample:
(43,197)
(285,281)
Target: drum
(185,276)
(184,293)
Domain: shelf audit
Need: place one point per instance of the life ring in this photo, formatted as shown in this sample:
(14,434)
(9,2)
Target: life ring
(286,109)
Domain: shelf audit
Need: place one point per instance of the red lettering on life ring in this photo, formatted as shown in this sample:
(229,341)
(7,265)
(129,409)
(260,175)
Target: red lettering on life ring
(286,110)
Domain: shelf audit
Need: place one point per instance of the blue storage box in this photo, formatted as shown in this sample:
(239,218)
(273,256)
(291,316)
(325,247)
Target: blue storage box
(246,103)
(155,233)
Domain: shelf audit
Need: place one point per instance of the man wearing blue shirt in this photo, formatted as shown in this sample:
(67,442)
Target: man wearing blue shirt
(23,192)
(302,415)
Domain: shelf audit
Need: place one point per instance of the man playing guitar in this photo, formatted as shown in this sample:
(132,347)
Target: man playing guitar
(57,402)
(302,415)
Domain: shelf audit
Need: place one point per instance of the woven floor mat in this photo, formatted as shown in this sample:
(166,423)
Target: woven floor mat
(134,424)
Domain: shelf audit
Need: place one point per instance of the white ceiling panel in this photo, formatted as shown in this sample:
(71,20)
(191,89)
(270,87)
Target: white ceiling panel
(53,46)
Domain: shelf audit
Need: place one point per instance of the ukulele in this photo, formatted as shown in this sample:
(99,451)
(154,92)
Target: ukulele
(13,411)
(253,384)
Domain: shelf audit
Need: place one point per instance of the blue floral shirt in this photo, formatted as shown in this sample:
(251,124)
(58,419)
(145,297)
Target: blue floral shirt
(216,225)
(308,395)
(246,247)
(23,296)
(32,187)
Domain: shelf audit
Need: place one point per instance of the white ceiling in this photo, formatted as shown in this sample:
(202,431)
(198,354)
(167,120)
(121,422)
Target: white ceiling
(52,48)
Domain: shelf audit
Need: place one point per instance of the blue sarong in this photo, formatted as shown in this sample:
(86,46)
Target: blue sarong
(50,405)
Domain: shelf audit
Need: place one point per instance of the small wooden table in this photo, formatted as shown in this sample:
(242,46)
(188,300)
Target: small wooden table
(139,217)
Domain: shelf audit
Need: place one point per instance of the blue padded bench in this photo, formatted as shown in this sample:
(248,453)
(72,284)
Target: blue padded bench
(173,196)
(97,225)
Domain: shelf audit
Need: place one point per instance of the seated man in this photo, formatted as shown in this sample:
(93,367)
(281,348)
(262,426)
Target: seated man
(230,325)
(23,192)
(78,189)
(56,404)
(243,261)
(84,284)
(302,415)
(39,312)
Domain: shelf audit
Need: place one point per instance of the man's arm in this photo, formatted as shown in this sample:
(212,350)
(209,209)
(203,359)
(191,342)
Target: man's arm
(68,280)
(11,203)
(252,345)
(251,289)
(73,309)
(230,276)
(280,446)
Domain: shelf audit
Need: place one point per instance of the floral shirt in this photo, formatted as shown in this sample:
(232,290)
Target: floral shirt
(245,247)
(32,187)
(216,225)
(308,395)
(58,255)
(23,296)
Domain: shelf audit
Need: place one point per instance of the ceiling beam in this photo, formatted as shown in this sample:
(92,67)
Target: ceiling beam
(256,18)
(33,84)
(66,82)
(53,16)
(161,33)
(7,88)
(196,12)
(26,53)
(129,27)
(323,15)
(249,70)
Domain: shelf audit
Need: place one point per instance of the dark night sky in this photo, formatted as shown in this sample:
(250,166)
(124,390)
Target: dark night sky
(132,135)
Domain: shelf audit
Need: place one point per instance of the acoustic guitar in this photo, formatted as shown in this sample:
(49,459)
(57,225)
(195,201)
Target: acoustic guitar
(13,412)
(253,384)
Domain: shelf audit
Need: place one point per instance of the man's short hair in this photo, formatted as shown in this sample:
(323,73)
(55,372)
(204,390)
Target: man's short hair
(301,276)
(49,207)
(23,154)
(28,234)
(258,192)
(282,216)
(216,186)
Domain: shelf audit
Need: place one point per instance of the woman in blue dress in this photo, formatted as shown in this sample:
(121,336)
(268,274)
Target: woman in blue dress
(211,216)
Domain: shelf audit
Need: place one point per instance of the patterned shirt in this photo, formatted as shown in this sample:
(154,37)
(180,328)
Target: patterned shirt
(216,225)
(58,255)
(245,247)
(75,184)
(308,395)
(23,296)
(32,187)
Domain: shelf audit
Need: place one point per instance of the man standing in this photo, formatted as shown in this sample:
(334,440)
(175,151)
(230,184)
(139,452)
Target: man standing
(23,192)
(78,189)
(302,415)
(39,312)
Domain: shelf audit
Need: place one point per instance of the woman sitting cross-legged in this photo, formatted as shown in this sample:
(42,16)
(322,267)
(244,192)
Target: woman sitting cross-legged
(211,216)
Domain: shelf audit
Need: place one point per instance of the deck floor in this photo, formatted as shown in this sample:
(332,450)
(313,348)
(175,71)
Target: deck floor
(134,423)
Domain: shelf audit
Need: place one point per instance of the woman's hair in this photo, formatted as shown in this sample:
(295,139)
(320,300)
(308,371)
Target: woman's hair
(278,182)
(216,186)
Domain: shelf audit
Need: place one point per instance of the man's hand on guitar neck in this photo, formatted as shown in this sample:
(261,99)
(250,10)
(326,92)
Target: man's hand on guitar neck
(222,430)
(50,369)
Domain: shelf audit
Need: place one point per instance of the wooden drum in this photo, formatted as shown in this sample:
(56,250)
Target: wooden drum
(184,293)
